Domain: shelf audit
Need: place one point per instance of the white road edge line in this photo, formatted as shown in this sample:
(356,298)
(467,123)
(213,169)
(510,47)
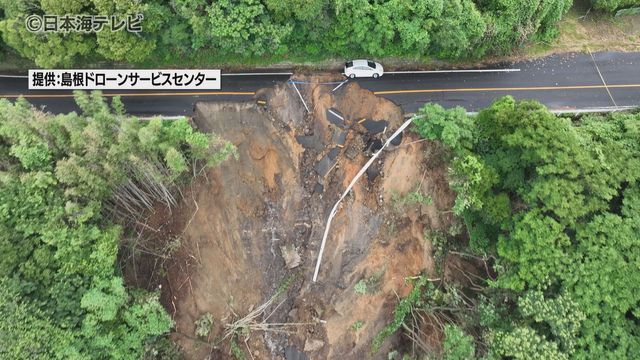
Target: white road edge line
(386,72)
(595,110)
(337,115)
(221,74)
(337,87)
(162,117)
(605,109)
(334,210)
(258,74)
(301,98)
(452,71)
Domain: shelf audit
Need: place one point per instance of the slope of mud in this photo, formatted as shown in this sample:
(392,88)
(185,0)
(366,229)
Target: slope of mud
(254,222)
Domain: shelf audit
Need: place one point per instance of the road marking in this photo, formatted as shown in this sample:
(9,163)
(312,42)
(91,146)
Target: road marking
(222,74)
(385,92)
(336,115)
(532,88)
(243,93)
(314,82)
(257,74)
(337,87)
(451,71)
(162,117)
(301,98)
(593,110)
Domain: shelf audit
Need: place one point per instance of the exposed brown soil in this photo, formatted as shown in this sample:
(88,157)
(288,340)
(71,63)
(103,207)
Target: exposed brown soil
(238,220)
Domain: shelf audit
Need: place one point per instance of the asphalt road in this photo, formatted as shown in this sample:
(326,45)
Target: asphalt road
(562,82)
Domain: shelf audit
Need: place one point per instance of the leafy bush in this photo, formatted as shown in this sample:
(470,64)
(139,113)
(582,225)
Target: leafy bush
(457,345)
(360,287)
(356,326)
(203,325)
(402,310)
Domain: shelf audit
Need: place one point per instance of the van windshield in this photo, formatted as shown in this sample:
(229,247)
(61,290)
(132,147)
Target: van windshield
(348,64)
(371,64)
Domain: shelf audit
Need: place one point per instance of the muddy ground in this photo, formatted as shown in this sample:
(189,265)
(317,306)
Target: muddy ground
(253,225)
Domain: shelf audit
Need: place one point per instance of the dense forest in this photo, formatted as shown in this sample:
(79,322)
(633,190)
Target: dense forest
(313,29)
(551,209)
(69,185)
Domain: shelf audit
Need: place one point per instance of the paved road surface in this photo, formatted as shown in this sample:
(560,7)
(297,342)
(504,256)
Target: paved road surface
(569,81)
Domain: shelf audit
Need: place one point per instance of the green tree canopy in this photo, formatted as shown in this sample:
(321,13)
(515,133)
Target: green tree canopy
(613,5)
(63,181)
(555,200)
(228,29)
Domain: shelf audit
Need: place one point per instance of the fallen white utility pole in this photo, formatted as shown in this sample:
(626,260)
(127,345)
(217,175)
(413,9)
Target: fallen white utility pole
(334,210)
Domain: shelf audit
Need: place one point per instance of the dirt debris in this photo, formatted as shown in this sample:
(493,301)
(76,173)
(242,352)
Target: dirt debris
(255,223)
(290,255)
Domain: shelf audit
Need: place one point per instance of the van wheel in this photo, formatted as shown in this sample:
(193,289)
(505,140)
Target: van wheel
(375,76)
(352,76)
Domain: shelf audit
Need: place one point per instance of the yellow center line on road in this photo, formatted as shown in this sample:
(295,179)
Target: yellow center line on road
(249,93)
(383,92)
(532,88)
